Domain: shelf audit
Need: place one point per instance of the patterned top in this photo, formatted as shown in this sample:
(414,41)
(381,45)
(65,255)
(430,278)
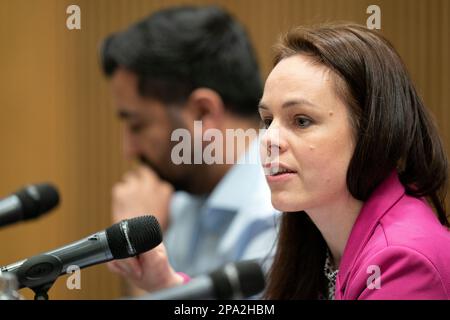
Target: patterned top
(330,273)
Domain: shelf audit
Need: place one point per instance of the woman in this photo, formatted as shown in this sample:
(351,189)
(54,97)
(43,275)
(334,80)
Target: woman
(359,165)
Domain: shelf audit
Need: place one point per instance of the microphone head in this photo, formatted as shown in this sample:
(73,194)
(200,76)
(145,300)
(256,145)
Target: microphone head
(251,277)
(37,199)
(131,237)
(242,279)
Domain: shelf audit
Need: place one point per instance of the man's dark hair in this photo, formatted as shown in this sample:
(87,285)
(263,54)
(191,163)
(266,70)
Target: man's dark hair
(177,50)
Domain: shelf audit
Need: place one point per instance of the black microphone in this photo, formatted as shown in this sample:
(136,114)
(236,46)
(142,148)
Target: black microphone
(233,281)
(124,239)
(28,203)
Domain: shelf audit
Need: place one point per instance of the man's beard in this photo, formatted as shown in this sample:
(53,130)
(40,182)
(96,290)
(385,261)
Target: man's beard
(177,184)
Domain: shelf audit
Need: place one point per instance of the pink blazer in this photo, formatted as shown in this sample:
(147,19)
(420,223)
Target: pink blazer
(397,249)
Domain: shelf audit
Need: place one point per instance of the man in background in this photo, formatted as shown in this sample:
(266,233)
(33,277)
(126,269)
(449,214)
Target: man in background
(168,71)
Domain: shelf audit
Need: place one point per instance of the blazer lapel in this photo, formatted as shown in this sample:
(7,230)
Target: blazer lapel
(381,200)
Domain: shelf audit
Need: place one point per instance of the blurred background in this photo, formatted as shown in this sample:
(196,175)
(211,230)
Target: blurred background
(56,118)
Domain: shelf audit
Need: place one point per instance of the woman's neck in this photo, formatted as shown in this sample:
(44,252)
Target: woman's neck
(335,223)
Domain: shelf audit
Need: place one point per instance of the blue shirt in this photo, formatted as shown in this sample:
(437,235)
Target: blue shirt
(235,222)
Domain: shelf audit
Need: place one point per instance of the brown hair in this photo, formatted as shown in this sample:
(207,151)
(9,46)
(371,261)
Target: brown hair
(393,130)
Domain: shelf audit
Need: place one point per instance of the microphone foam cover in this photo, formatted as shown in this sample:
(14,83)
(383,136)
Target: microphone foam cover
(245,280)
(37,199)
(251,277)
(131,237)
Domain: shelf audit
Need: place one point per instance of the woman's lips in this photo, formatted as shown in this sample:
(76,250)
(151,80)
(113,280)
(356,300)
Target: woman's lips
(282,177)
(278,172)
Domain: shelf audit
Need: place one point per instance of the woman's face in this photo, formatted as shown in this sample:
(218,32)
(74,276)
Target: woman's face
(309,134)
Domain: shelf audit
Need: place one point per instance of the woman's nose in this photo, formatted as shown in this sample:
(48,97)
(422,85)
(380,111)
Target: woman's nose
(271,144)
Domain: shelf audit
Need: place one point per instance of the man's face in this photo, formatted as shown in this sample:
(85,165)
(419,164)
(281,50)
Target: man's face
(148,128)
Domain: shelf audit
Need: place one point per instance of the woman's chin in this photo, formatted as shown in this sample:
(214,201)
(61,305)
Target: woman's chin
(285,203)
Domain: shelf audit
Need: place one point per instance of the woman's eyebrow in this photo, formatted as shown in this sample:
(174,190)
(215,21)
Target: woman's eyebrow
(289,103)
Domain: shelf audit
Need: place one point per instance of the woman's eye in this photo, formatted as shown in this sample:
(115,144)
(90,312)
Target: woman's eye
(302,122)
(266,123)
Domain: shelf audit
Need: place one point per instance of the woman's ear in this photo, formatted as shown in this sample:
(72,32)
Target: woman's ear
(207,106)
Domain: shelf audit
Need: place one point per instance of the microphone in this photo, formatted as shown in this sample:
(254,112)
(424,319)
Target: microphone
(28,203)
(124,239)
(233,281)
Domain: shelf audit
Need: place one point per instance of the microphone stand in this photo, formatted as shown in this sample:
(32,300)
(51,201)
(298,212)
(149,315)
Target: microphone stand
(39,274)
(41,293)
